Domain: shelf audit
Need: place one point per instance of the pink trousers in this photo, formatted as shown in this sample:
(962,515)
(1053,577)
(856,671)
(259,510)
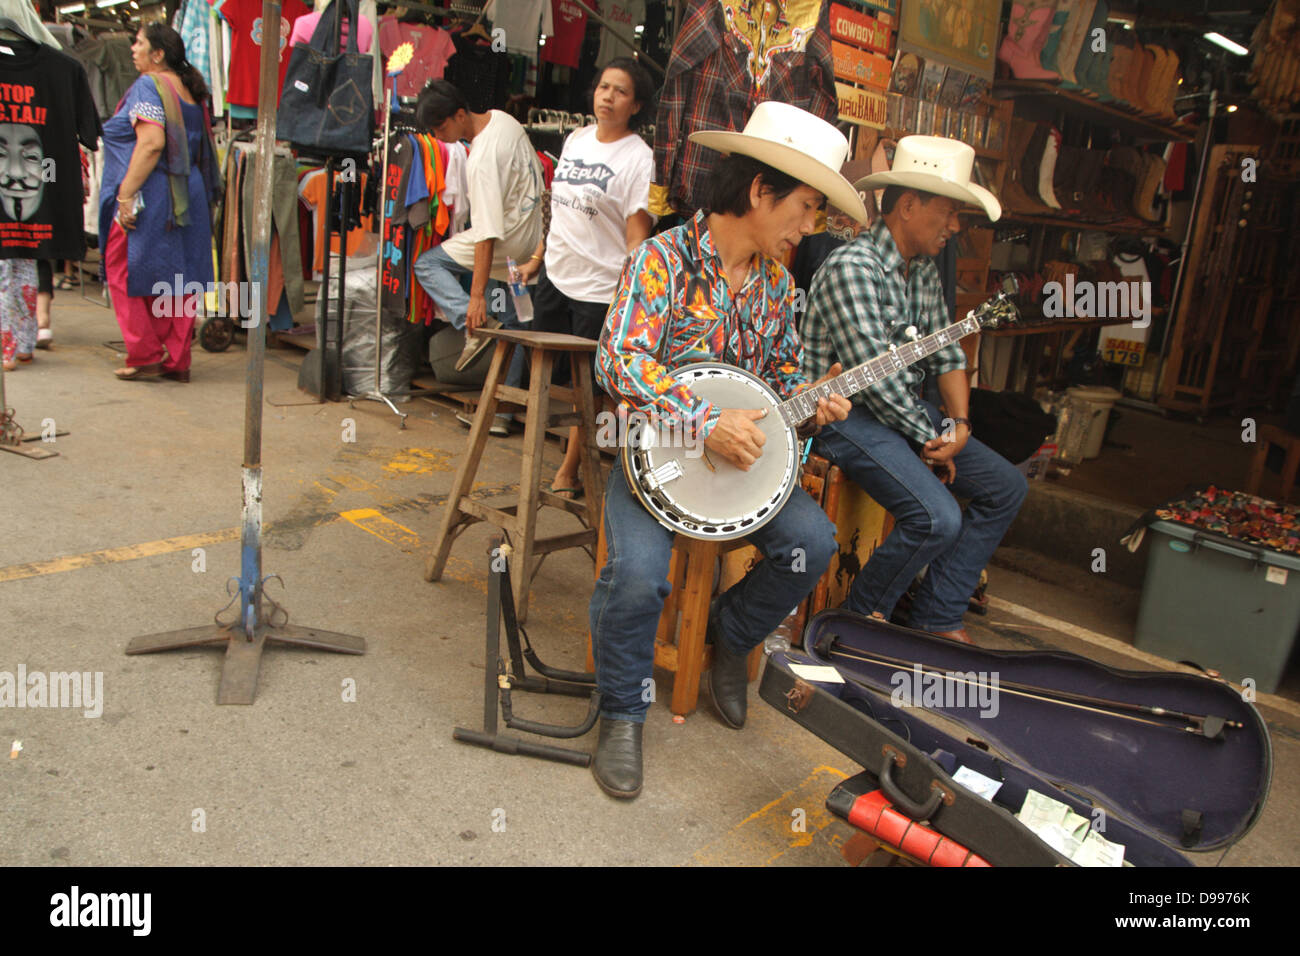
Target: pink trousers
(154,328)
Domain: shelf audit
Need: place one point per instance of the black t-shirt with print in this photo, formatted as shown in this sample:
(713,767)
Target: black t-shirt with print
(45,108)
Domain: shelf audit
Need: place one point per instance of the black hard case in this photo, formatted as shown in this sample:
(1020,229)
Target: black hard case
(1163,790)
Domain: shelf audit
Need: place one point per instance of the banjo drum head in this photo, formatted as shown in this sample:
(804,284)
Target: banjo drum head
(712,498)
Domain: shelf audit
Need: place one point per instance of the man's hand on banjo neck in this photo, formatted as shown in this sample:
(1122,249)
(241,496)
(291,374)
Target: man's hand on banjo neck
(737,439)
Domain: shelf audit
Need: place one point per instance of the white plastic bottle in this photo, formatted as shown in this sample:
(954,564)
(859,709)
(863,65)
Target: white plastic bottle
(519,292)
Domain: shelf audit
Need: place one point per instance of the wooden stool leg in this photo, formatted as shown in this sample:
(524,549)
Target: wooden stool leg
(696,595)
(1289,469)
(592,481)
(1255,476)
(539,408)
(460,486)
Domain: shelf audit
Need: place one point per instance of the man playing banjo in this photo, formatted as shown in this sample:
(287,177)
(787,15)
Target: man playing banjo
(864,298)
(712,290)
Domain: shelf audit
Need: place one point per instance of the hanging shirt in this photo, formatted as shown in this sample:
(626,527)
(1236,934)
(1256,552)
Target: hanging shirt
(724,63)
(505,196)
(522,21)
(565,46)
(395,271)
(192,24)
(626,16)
(109,67)
(245,19)
(312,190)
(481,74)
(456,193)
(596,188)
(45,110)
(431,47)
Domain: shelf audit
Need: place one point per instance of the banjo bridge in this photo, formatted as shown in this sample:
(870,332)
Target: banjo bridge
(656,478)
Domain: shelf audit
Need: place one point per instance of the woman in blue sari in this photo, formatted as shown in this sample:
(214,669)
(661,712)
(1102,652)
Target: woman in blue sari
(155,224)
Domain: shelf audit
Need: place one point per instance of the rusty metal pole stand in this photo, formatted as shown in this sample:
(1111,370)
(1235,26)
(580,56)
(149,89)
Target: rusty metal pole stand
(245,638)
(11,433)
(390,104)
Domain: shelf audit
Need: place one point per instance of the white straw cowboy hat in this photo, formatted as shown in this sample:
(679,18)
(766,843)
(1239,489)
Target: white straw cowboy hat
(935,164)
(796,143)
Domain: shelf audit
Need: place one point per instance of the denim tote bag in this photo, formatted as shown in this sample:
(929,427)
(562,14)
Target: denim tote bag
(326,104)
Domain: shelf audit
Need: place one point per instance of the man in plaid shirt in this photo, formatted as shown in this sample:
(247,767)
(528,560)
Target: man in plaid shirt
(879,290)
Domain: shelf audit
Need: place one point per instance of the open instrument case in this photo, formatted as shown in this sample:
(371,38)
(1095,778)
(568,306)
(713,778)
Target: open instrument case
(1161,763)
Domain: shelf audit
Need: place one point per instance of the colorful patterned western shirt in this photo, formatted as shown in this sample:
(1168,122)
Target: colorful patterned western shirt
(863,299)
(674,307)
(729,56)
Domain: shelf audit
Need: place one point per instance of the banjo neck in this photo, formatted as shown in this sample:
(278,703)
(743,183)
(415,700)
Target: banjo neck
(797,410)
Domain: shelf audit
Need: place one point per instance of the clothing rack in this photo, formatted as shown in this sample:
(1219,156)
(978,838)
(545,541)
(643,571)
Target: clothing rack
(636,50)
(455,10)
(557,121)
(245,146)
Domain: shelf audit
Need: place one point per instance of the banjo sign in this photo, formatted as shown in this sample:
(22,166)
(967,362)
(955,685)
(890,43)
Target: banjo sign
(864,107)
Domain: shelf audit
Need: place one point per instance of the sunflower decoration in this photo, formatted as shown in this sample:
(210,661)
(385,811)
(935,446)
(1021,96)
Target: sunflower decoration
(399,59)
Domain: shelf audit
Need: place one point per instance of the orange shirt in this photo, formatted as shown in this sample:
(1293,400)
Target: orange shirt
(312,190)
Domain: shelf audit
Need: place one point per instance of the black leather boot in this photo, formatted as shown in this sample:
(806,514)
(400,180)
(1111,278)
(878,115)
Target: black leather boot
(617,766)
(728,683)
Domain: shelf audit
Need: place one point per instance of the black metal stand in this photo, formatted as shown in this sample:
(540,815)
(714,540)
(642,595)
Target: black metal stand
(245,638)
(500,678)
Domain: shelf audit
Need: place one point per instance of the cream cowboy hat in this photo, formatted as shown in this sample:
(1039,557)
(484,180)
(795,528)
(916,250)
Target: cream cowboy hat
(937,165)
(796,143)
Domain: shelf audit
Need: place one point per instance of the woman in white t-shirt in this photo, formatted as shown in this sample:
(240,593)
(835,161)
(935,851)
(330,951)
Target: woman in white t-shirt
(600,198)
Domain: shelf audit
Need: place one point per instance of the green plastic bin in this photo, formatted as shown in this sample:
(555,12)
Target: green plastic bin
(1226,605)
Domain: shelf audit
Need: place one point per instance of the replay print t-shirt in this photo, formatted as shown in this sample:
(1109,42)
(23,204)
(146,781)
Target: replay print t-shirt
(45,109)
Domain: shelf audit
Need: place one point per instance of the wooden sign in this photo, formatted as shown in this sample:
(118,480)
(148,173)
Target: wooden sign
(859,66)
(860,30)
(864,107)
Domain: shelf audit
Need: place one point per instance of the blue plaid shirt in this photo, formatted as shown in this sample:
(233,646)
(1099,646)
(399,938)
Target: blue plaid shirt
(861,302)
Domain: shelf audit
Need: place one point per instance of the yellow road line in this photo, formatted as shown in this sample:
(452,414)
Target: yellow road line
(790,821)
(74,562)
(386,529)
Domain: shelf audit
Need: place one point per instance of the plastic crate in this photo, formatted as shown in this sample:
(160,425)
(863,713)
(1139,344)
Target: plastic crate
(1219,603)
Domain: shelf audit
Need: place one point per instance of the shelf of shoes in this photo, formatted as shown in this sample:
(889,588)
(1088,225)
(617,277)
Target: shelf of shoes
(1116,114)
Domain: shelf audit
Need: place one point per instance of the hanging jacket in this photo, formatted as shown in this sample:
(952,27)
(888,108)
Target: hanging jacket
(725,61)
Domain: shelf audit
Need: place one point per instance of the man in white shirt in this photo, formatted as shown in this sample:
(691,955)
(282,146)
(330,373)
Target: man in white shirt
(504,178)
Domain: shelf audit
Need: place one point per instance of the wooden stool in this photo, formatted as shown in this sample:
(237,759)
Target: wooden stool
(861,526)
(519,520)
(681,650)
(1270,435)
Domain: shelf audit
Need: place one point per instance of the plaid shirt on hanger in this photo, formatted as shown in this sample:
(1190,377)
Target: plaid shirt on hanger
(719,72)
(861,302)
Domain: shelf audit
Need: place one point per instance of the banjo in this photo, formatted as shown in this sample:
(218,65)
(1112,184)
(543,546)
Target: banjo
(705,496)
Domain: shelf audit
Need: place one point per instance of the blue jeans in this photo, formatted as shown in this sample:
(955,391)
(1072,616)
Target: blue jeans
(798,545)
(441,277)
(929,526)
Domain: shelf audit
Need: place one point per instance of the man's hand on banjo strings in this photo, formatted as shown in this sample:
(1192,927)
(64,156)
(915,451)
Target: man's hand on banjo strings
(834,408)
(736,438)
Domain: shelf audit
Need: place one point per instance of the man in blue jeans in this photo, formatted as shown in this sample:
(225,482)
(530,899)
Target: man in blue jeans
(504,178)
(876,292)
(712,290)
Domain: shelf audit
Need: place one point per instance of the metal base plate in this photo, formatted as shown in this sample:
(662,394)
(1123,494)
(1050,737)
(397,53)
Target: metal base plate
(243,656)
